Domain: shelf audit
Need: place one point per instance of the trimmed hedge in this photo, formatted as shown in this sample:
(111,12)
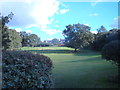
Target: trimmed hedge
(23,69)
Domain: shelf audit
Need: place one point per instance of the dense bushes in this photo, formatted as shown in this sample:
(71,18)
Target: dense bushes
(111,52)
(22,69)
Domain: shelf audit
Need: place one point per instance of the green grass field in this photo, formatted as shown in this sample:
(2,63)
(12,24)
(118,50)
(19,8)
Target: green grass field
(78,70)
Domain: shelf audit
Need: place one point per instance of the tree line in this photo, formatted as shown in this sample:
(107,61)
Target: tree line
(12,39)
(79,36)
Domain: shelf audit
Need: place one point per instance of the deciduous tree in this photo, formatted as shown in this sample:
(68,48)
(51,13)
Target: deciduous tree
(78,36)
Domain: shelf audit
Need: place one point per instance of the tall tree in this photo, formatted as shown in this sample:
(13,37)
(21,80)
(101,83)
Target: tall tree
(78,36)
(10,39)
(6,19)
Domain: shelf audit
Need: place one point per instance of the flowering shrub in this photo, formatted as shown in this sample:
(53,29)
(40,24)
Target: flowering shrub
(23,69)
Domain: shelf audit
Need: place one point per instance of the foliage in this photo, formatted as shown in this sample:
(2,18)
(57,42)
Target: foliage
(6,19)
(43,44)
(22,69)
(78,36)
(99,41)
(55,41)
(103,38)
(111,51)
(101,29)
(10,38)
(29,39)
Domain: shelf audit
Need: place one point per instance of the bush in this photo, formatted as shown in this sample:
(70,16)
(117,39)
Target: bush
(23,69)
(111,51)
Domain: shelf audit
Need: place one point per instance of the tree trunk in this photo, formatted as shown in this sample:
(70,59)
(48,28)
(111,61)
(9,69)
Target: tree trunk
(75,49)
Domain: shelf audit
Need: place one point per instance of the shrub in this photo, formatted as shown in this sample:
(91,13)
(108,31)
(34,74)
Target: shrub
(23,69)
(111,52)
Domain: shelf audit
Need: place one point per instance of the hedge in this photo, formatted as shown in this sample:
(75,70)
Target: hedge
(23,69)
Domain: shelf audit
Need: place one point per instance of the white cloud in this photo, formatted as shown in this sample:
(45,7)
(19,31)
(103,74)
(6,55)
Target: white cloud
(33,25)
(94,14)
(115,24)
(28,31)
(28,1)
(35,13)
(52,19)
(44,13)
(86,24)
(18,29)
(62,11)
(95,32)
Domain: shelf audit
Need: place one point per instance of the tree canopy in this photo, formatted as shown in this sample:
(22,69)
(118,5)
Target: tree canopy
(10,38)
(78,36)
(29,39)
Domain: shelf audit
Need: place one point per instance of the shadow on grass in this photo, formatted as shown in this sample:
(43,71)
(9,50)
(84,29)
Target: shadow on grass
(86,60)
(87,53)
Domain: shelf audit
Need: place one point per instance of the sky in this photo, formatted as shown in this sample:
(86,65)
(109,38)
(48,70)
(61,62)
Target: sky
(48,18)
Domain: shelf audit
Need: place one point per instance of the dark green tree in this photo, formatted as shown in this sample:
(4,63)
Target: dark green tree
(78,36)
(34,40)
(99,39)
(10,39)
(103,38)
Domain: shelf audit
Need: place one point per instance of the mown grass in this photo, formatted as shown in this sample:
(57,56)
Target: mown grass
(78,70)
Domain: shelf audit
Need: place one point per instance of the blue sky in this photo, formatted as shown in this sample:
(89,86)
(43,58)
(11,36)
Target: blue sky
(48,18)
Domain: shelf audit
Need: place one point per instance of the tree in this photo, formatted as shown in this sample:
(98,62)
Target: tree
(99,41)
(10,38)
(29,39)
(55,41)
(34,40)
(103,38)
(5,19)
(77,36)
(101,29)
(113,34)
(111,51)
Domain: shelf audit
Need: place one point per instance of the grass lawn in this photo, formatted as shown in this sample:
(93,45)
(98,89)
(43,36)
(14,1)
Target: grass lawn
(78,70)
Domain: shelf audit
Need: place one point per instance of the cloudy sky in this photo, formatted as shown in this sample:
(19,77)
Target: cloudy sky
(48,18)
